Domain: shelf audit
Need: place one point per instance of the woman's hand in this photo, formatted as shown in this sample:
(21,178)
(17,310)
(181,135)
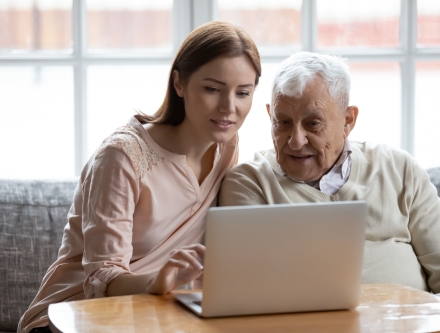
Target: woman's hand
(183,266)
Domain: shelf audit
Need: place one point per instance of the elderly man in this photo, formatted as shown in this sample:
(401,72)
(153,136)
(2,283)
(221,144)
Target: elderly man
(313,161)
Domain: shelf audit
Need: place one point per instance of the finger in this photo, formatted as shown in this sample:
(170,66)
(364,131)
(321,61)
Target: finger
(187,257)
(199,248)
(176,263)
(191,257)
(190,251)
(195,255)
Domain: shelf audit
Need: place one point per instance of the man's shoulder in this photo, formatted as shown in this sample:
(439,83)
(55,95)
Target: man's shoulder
(385,159)
(251,182)
(373,151)
(262,162)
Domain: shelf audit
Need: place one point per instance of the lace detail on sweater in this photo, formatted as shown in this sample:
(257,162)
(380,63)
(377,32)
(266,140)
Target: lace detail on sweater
(141,155)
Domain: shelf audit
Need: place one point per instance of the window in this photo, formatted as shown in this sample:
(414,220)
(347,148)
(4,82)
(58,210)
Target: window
(88,64)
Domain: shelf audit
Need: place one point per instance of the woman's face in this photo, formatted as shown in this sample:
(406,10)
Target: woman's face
(217,97)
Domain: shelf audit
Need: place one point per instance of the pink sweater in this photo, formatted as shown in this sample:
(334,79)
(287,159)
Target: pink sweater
(135,202)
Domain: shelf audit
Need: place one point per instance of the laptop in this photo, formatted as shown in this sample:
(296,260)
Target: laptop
(284,258)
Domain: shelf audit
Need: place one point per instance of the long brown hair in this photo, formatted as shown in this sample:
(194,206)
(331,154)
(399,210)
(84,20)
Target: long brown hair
(202,45)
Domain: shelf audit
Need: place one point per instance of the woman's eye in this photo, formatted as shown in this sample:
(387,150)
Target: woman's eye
(243,93)
(211,89)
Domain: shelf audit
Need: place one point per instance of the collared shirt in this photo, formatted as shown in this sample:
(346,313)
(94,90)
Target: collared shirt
(338,175)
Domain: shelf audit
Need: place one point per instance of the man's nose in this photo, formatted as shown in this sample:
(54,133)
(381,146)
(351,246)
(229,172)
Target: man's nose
(298,138)
(227,104)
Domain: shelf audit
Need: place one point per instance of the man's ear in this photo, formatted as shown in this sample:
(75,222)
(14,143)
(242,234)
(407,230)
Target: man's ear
(350,119)
(268,109)
(177,83)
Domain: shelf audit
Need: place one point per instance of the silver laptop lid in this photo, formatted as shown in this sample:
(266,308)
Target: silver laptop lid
(283,258)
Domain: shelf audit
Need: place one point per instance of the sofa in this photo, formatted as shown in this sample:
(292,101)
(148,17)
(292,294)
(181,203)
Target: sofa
(32,219)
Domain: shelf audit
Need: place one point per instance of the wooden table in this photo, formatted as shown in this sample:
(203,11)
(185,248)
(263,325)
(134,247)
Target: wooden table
(382,308)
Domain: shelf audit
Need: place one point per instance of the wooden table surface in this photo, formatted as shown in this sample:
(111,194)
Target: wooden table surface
(382,308)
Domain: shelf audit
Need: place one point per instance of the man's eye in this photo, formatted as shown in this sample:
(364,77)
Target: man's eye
(314,124)
(281,124)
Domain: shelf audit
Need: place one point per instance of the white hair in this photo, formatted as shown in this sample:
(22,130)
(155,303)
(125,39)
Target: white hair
(300,68)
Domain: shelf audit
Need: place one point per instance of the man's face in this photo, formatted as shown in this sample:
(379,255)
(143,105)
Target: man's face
(308,132)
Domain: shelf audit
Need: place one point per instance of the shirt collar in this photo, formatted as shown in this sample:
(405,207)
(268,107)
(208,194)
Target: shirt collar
(346,151)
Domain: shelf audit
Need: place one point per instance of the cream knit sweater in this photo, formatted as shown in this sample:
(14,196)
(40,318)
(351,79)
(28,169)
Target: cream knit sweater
(403,229)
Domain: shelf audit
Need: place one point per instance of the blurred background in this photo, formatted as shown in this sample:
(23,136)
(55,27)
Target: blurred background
(71,71)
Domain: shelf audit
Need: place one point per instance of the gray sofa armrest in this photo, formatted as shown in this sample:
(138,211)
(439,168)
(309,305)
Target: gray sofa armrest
(32,218)
(434,175)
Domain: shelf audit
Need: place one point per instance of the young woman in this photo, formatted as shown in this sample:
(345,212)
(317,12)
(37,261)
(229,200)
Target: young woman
(137,219)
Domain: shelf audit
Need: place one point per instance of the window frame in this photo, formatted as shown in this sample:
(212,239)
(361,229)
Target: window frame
(406,55)
(188,14)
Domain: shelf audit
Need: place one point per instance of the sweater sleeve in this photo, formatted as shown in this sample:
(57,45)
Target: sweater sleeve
(424,225)
(110,193)
(240,187)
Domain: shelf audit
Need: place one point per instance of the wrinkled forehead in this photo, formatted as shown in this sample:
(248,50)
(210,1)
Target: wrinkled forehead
(296,86)
(314,90)
(303,106)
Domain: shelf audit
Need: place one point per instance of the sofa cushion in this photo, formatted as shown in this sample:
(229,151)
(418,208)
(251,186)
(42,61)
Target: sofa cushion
(32,218)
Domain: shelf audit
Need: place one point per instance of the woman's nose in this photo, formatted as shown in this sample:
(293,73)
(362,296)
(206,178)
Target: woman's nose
(227,104)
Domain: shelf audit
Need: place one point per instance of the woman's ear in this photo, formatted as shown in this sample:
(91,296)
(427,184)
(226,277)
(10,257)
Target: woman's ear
(177,83)
(350,119)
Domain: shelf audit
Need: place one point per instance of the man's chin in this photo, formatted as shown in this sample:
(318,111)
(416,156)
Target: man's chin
(297,171)
(305,177)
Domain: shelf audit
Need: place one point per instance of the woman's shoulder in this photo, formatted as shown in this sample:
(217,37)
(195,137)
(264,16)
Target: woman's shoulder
(128,140)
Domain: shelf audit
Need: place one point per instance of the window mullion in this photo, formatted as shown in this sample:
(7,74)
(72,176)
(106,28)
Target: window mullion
(182,14)
(80,83)
(203,11)
(188,15)
(309,26)
(408,28)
